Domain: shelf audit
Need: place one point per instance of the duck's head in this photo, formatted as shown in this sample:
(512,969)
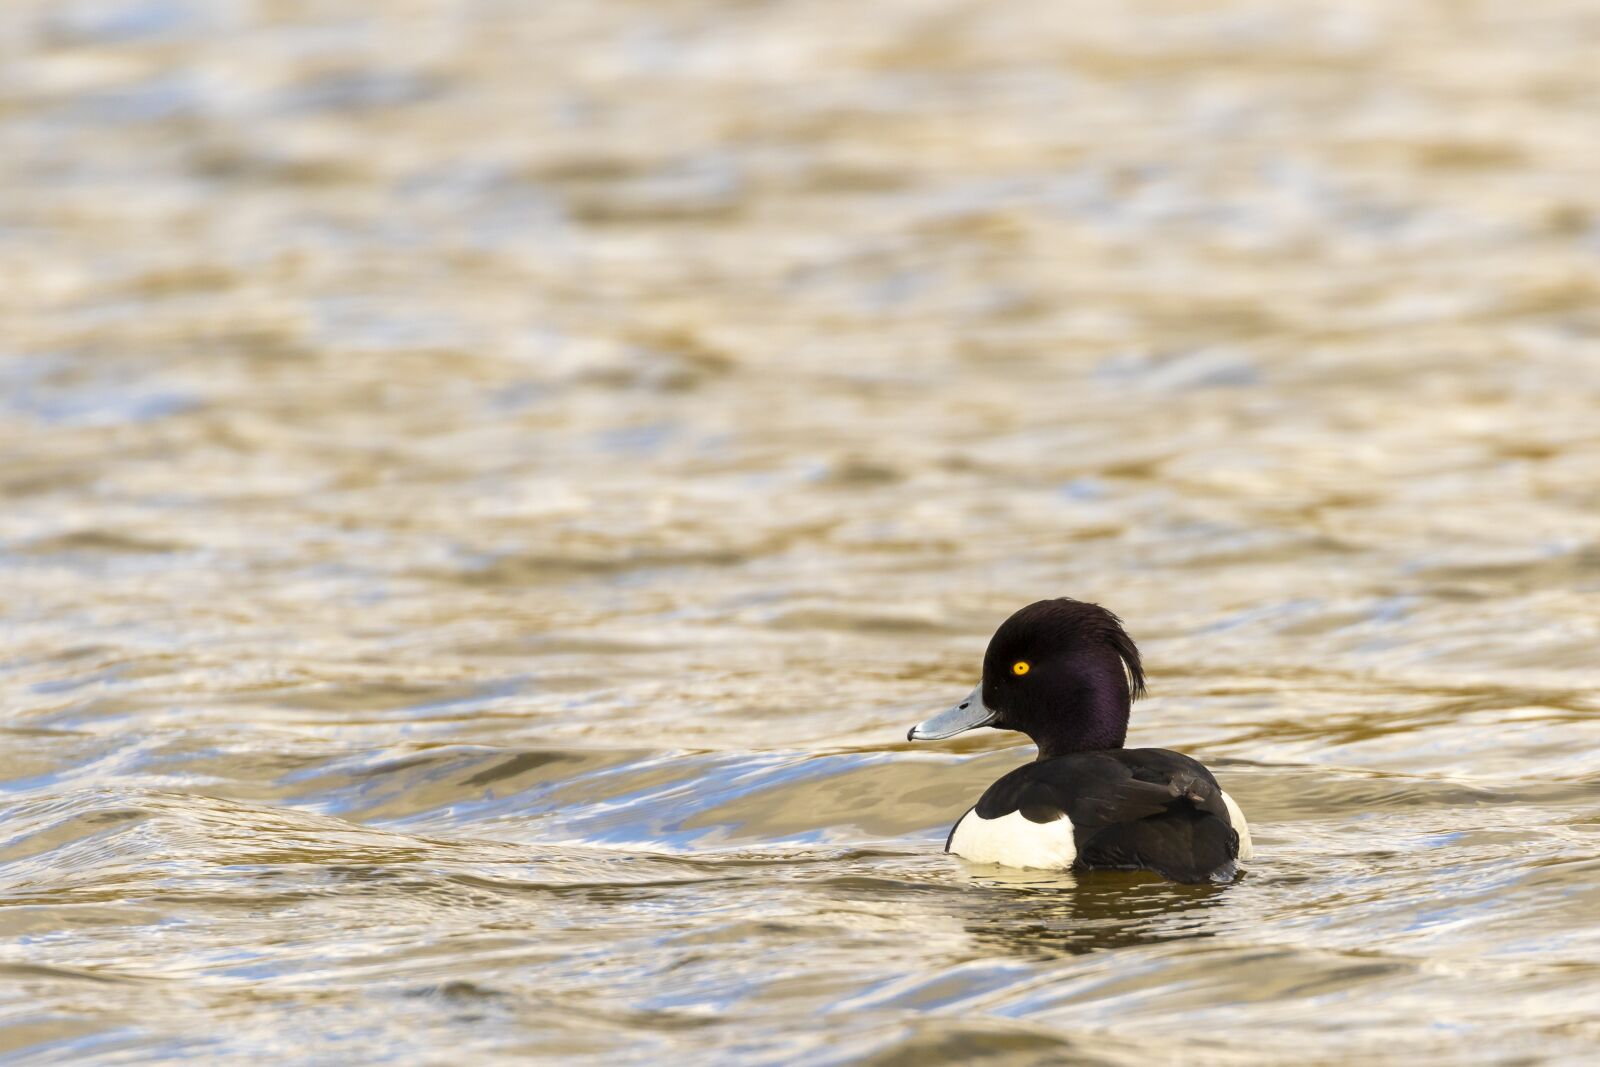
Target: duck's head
(1061,671)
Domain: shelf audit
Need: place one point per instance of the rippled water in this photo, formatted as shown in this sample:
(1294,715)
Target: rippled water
(486,487)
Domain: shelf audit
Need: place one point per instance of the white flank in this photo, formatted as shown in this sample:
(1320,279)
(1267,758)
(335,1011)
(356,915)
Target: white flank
(1240,827)
(1013,841)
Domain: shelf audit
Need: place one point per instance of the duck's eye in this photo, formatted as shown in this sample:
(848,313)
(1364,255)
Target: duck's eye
(1020,668)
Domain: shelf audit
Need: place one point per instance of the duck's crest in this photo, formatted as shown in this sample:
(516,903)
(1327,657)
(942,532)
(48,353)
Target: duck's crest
(1086,617)
(1129,652)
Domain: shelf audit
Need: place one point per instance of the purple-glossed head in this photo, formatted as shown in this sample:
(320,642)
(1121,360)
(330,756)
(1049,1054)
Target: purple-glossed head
(1062,671)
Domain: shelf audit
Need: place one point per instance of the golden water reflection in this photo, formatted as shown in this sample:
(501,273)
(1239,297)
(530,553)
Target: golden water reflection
(485,486)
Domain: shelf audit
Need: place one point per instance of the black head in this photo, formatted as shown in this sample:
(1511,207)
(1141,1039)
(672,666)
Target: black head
(1062,671)
(1065,673)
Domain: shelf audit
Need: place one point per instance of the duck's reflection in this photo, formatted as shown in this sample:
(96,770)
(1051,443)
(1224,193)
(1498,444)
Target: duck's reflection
(1043,914)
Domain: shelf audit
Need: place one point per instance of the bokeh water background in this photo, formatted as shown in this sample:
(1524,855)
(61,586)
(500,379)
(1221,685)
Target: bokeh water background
(485,486)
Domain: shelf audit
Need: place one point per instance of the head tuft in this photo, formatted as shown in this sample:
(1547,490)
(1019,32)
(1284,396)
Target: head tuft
(1119,640)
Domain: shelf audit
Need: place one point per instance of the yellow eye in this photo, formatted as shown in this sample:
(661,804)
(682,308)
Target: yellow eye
(1020,667)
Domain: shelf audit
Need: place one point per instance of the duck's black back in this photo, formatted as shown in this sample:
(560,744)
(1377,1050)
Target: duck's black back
(1129,807)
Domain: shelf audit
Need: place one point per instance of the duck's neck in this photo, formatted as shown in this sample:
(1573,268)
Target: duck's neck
(1100,721)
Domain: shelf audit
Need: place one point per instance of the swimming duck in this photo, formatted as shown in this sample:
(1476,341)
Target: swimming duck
(1066,673)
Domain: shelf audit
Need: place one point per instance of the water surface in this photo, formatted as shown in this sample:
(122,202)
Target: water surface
(486,487)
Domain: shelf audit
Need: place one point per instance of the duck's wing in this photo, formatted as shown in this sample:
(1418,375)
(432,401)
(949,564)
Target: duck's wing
(1146,808)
